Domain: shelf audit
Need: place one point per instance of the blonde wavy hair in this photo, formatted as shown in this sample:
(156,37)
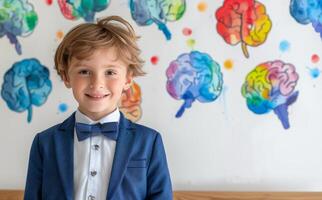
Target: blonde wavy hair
(113,31)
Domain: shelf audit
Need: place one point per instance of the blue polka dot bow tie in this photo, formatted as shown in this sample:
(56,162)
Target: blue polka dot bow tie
(84,131)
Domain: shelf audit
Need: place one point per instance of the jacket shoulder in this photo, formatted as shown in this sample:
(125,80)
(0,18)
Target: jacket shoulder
(46,137)
(66,124)
(142,129)
(49,131)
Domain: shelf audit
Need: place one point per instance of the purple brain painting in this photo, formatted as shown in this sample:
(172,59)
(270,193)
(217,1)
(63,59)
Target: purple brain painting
(194,76)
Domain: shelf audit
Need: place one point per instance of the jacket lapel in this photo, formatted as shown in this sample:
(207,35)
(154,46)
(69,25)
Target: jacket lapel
(64,150)
(122,154)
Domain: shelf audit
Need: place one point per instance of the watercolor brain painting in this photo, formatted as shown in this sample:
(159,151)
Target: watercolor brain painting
(25,84)
(271,86)
(243,21)
(147,12)
(75,9)
(194,76)
(308,11)
(17,18)
(130,103)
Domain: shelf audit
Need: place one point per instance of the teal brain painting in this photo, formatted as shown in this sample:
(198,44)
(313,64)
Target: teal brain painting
(25,84)
(147,12)
(75,9)
(17,18)
(194,76)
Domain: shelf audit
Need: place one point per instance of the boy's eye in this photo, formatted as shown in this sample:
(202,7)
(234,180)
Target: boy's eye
(110,72)
(84,72)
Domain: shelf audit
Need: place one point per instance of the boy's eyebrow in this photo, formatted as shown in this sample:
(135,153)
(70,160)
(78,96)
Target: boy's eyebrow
(79,63)
(84,64)
(111,66)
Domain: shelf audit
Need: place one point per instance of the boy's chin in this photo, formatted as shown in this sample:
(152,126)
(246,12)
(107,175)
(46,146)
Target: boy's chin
(97,111)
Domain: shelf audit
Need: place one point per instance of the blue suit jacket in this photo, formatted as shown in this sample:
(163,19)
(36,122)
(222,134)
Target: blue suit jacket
(139,168)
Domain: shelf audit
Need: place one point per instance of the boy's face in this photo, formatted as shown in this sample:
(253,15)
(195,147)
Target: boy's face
(98,82)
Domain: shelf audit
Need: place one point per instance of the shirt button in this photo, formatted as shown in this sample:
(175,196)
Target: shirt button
(96,147)
(91,197)
(93,173)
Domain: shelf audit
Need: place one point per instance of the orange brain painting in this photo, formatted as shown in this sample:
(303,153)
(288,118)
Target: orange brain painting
(243,21)
(130,103)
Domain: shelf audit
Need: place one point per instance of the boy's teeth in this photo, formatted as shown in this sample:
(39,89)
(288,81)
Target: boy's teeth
(96,96)
(101,96)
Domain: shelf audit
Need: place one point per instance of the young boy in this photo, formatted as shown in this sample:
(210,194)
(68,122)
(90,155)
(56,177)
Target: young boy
(97,153)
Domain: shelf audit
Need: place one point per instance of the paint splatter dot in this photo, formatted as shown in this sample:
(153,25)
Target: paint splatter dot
(314,72)
(154,60)
(186,31)
(228,64)
(202,6)
(284,46)
(62,107)
(59,34)
(191,43)
(49,2)
(315,58)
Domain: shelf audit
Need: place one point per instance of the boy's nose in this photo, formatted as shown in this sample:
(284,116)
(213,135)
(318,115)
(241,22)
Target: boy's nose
(97,82)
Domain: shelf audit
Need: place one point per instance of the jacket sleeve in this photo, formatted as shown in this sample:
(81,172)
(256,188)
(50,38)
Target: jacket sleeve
(34,176)
(158,177)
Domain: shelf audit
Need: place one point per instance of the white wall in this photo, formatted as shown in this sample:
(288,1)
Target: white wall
(214,146)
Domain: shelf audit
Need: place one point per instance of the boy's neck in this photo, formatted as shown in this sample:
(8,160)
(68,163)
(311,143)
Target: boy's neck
(95,117)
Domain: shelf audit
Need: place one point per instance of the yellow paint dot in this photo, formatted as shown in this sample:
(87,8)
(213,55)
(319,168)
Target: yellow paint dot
(191,43)
(59,34)
(228,64)
(202,6)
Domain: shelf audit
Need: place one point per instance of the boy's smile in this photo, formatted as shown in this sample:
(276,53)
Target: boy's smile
(98,82)
(96,96)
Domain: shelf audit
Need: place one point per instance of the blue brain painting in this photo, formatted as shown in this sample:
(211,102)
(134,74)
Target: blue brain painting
(308,11)
(25,84)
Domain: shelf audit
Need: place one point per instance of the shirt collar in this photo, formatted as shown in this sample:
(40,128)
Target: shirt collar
(112,117)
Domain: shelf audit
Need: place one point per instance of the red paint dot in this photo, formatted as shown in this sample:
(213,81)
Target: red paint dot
(187,31)
(49,2)
(315,58)
(154,60)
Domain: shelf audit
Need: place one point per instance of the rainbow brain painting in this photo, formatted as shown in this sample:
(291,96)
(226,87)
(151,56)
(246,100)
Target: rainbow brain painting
(25,84)
(74,9)
(270,86)
(243,21)
(17,18)
(146,12)
(308,11)
(130,104)
(192,76)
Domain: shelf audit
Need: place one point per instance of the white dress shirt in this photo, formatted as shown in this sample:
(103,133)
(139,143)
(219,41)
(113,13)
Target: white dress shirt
(93,159)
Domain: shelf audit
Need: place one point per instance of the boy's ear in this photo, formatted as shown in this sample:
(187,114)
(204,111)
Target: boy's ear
(129,81)
(66,79)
